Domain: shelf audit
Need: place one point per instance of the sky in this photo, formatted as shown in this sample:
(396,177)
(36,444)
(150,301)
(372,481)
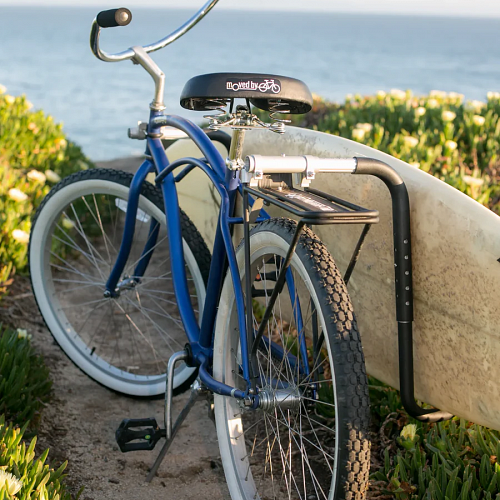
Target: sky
(482,8)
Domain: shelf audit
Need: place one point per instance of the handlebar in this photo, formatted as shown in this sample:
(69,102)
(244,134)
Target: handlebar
(122,17)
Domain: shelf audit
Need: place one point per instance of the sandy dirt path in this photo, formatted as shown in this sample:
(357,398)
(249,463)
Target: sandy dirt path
(80,421)
(79,426)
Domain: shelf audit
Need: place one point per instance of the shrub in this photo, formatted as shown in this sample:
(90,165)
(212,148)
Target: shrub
(21,474)
(34,154)
(456,141)
(453,460)
(24,379)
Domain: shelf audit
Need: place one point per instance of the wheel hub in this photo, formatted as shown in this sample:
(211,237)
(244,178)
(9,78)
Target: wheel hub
(285,399)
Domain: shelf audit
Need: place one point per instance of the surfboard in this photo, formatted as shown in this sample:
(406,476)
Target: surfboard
(456,252)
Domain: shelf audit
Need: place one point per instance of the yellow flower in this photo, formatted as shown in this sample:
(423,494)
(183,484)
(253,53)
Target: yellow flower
(28,104)
(415,164)
(455,96)
(35,175)
(451,145)
(448,116)
(478,120)
(358,134)
(410,141)
(61,142)
(10,482)
(348,97)
(409,432)
(476,105)
(20,236)
(398,94)
(17,195)
(52,176)
(473,181)
(432,103)
(438,93)
(381,94)
(3,89)
(493,95)
(68,223)
(9,99)
(420,111)
(367,127)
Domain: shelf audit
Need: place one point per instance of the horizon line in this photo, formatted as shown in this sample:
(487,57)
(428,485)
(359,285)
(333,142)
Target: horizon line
(414,13)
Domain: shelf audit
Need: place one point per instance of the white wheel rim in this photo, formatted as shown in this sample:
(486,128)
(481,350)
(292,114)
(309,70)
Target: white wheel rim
(76,349)
(238,473)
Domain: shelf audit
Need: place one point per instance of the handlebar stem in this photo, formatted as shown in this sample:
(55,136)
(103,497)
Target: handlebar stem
(141,57)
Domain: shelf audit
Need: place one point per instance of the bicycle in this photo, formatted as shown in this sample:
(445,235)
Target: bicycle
(272,339)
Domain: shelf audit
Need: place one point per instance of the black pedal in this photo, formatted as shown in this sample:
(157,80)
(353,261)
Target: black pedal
(135,434)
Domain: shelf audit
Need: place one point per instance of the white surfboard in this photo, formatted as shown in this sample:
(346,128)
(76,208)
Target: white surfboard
(456,247)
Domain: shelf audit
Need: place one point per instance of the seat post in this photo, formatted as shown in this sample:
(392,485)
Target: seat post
(235,161)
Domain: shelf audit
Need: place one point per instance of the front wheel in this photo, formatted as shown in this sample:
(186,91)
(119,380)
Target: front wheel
(309,437)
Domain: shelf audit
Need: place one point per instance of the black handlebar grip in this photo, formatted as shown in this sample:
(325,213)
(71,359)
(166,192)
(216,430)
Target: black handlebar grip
(114,17)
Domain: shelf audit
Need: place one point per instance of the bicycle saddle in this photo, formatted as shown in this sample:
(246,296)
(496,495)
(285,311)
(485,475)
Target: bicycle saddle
(267,92)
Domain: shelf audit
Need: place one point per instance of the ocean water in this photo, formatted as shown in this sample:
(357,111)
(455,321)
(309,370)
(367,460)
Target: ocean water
(44,53)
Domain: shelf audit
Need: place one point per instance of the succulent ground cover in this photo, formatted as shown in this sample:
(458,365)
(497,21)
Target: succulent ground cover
(24,390)
(453,460)
(34,154)
(455,140)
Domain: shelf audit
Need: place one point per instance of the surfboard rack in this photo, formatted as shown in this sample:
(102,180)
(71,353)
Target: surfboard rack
(314,207)
(403,285)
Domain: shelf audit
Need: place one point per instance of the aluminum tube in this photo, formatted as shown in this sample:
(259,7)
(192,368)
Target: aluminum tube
(339,165)
(297,164)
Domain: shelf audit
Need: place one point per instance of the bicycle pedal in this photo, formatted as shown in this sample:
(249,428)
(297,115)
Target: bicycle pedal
(135,434)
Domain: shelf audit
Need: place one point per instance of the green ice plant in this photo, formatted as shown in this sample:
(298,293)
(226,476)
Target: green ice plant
(21,475)
(34,155)
(24,379)
(24,390)
(455,140)
(453,460)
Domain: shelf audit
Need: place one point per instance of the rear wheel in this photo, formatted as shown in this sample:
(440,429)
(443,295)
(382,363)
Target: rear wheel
(125,342)
(309,437)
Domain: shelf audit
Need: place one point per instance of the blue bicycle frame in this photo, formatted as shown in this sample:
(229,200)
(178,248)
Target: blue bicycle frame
(200,337)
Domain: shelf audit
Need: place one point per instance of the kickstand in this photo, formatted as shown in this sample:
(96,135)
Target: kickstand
(196,390)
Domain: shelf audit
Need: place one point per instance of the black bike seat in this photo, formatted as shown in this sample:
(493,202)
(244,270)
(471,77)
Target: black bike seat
(267,92)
